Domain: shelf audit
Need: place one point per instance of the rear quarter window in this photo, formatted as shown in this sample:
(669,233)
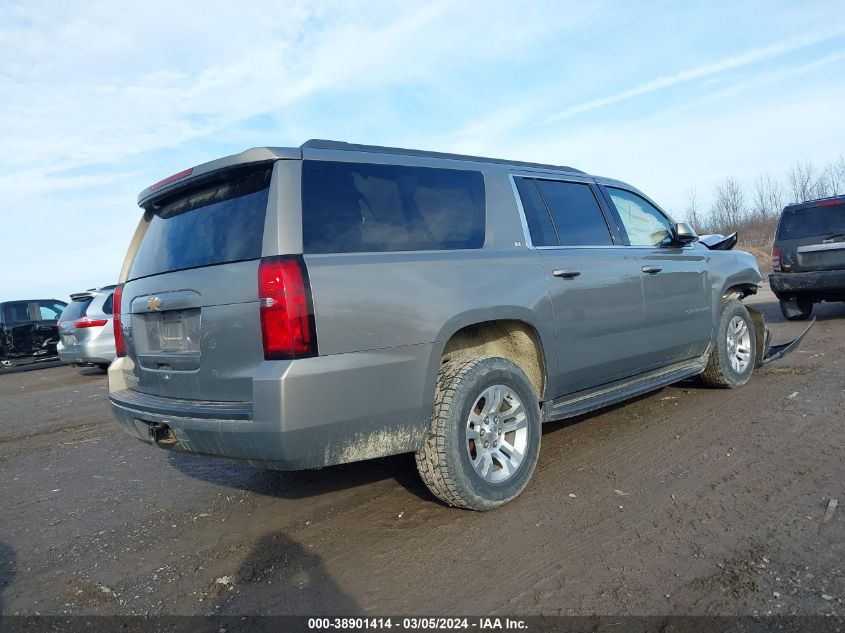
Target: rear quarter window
(214,224)
(108,304)
(17,312)
(361,207)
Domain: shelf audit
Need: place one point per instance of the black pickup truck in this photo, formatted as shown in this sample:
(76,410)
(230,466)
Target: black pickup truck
(28,330)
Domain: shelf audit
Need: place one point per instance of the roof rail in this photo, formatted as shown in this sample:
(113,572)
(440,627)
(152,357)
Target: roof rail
(354,147)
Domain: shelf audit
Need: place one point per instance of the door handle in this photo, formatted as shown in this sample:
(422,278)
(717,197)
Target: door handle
(651,270)
(566,273)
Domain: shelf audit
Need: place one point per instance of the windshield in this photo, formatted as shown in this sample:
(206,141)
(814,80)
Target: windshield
(812,222)
(217,223)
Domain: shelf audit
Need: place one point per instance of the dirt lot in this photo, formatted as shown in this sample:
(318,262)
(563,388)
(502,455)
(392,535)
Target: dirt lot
(688,500)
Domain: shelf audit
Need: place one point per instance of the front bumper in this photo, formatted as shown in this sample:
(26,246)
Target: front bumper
(766,352)
(820,281)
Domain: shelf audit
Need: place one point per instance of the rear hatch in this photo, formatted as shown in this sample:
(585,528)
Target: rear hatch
(75,310)
(190,302)
(811,236)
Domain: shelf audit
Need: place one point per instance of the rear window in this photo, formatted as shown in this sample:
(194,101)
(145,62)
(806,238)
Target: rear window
(75,310)
(214,224)
(812,222)
(359,207)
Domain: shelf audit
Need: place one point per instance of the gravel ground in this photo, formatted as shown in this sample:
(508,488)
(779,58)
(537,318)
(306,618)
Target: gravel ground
(686,501)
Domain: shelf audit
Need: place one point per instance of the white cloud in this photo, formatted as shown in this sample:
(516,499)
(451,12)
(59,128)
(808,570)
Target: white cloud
(103,84)
(99,99)
(94,84)
(707,70)
(664,154)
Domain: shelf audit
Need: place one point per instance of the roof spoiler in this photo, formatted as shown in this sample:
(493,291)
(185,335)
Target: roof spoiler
(198,174)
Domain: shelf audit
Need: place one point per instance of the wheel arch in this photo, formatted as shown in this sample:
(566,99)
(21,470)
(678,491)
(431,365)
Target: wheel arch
(510,332)
(732,274)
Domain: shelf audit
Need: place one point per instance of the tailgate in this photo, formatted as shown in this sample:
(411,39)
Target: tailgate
(190,305)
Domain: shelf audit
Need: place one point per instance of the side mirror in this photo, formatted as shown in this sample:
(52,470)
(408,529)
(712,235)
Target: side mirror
(684,234)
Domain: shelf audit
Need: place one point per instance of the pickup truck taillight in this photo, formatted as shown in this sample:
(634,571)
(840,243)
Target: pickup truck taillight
(119,345)
(287,312)
(85,322)
(776,258)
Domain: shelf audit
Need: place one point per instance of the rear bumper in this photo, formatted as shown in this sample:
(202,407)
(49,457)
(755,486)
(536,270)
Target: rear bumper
(96,352)
(822,281)
(305,413)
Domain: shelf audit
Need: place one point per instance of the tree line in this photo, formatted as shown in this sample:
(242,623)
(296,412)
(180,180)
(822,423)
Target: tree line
(733,206)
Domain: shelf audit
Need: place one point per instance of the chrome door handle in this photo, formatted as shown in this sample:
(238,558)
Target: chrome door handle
(566,273)
(651,270)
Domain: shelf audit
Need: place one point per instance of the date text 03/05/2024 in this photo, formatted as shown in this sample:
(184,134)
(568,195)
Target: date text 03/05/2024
(424,623)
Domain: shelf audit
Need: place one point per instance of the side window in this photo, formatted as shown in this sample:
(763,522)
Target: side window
(645,225)
(537,216)
(108,305)
(576,213)
(50,311)
(17,312)
(362,207)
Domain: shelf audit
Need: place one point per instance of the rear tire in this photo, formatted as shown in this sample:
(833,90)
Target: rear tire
(484,439)
(734,350)
(796,308)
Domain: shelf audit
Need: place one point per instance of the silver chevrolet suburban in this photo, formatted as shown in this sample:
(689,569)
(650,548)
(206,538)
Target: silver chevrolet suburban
(301,307)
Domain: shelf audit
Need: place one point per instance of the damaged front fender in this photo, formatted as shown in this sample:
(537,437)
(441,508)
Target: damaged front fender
(766,352)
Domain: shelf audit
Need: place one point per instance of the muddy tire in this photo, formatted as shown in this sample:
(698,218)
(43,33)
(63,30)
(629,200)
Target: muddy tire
(484,440)
(796,308)
(734,349)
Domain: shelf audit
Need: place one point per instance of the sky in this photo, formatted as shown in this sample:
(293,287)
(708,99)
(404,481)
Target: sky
(99,100)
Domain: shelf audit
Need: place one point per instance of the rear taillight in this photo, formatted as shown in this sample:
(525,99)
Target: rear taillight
(776,258)
(119,345)
(287,314)
(85,322)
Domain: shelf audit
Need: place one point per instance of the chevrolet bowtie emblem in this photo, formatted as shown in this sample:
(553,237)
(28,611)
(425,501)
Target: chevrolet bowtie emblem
(154,304)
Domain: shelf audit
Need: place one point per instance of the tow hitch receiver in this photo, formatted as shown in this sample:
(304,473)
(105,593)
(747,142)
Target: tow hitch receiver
(766,352)
(161,434)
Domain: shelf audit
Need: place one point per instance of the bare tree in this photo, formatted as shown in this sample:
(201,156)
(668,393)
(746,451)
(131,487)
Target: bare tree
(693,211)
(834,177)
(767,200)
(803,182)
(839,169)
(822,187)
(728,209)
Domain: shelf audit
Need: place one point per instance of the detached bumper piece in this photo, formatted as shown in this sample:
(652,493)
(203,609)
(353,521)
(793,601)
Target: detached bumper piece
(774,352)
(766,352)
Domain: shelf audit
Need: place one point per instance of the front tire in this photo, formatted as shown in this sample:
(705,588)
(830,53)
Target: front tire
(734,350)
(484,439)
